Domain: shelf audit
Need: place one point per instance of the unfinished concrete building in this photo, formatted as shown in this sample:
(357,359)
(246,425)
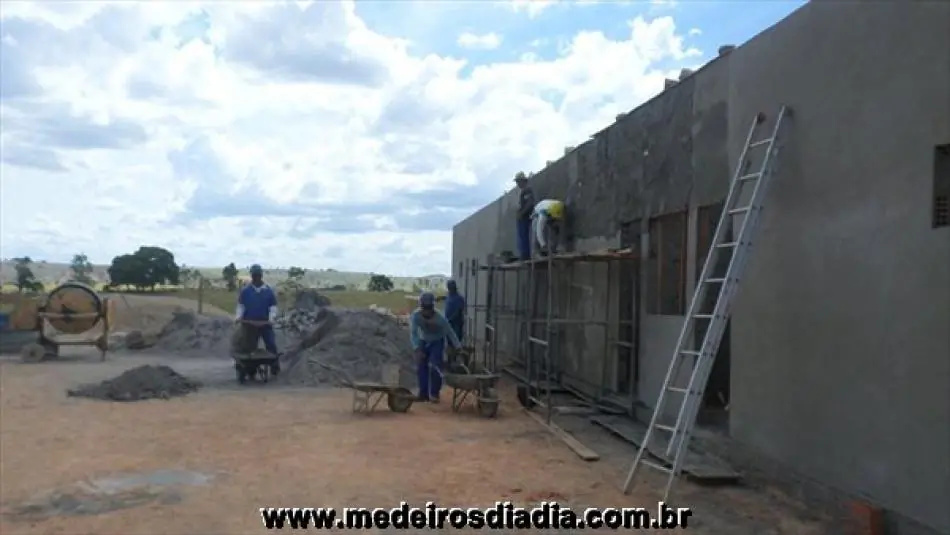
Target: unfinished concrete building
(836,364)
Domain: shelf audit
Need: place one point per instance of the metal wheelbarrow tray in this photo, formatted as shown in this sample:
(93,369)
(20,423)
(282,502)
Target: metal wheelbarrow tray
(474,381)
(259,365)
(368,395)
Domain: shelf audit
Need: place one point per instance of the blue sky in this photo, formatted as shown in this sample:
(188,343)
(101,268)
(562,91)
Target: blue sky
(325,135)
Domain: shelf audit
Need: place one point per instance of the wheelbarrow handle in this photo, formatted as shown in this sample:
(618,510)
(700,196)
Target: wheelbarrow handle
(341,375)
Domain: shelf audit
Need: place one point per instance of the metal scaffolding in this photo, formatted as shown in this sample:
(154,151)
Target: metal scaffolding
(542,308)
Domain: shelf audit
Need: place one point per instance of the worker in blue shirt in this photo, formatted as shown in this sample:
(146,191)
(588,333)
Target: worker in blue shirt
(428,330)
(455,308)
(257,303)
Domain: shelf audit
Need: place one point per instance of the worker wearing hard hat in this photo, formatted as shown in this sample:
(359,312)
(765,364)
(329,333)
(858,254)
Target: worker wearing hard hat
(547,218)
(525,205)
(428,330)
(257,302)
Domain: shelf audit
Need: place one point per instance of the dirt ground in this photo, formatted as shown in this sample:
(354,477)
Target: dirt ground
(272,446)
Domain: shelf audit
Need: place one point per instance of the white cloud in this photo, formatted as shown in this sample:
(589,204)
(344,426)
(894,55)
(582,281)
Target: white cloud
(487,41)
(284,134)
(532,7)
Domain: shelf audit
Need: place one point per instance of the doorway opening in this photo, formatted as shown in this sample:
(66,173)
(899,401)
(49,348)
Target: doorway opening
(715,410)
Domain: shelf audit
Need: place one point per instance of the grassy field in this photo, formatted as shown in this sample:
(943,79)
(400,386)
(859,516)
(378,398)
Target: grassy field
(225,300)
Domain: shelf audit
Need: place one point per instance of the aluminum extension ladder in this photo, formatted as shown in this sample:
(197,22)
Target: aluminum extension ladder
(704,357)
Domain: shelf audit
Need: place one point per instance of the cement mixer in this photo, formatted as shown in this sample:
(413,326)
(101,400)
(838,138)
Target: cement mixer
(71,314)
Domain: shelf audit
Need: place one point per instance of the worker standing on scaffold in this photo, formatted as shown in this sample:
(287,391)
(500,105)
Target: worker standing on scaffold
(525,205)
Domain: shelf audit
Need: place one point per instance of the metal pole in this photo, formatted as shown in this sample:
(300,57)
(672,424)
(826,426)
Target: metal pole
(607,316)
(475,273)
(504,300)
(547,332)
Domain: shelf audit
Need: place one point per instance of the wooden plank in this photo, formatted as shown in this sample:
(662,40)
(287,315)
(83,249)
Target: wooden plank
(576,446)
(699,466)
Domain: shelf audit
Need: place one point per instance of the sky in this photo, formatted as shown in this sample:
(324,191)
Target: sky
(345,135)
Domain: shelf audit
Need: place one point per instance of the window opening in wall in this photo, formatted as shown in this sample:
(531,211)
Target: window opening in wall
(941,193)
(666,266)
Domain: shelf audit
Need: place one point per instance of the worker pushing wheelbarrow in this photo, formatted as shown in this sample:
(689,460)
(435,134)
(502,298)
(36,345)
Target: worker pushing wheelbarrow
(428,331)
(254,319)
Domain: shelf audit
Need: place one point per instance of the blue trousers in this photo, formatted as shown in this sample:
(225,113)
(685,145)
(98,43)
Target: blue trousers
(459,329)
(524,239)
(270,342)
(430,380)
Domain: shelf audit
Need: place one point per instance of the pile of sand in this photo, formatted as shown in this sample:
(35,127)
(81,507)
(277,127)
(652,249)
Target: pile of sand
(144,382)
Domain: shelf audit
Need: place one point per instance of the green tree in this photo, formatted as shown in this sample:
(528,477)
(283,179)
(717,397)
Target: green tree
(25,279)
(296,273)
(81,268)
(147,267)
(229,274)
(380,283)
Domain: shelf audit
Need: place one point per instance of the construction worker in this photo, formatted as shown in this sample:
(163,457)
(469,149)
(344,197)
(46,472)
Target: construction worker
(455,308)
(546,219)
(525,206)
(428,330)
(257,303)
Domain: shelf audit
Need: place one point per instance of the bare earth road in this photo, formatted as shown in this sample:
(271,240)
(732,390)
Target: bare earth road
(215,457)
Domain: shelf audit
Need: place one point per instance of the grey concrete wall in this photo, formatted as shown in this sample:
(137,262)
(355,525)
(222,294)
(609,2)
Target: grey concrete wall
(840,347)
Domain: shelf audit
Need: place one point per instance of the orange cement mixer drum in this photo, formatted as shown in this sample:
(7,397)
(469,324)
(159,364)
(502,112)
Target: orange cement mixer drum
(74,298)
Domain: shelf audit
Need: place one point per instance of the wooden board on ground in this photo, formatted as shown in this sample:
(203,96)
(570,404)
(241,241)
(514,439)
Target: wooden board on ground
(576,446)
(700,466)
(518,372)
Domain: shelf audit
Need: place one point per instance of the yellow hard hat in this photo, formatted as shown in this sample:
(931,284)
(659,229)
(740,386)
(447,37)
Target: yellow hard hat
(557,210)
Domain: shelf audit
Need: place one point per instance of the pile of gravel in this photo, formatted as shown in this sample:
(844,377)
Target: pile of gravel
(190,332)
(144,382)
(356,342)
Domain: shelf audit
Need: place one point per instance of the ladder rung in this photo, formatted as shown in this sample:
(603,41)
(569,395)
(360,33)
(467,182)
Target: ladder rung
(760,142)
(742,210)
(690,352)
(538,341)
(679,389)
(657,466)
(750,176)
(727,245)
(703,316)
(716,280)
(667,428)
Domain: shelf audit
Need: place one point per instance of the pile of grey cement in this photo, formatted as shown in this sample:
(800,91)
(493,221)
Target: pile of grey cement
(144,382)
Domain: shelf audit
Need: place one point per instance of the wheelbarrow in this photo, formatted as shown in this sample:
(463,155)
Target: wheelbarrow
(472,380)
(251,363)
(368,395)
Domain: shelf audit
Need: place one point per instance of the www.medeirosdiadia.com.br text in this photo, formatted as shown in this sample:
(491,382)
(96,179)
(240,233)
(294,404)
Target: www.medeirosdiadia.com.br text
(504,515)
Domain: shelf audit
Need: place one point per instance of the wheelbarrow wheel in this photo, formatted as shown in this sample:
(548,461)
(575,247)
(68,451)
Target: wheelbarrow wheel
(399,400)
(32,353)
(488,403)
(263,373)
